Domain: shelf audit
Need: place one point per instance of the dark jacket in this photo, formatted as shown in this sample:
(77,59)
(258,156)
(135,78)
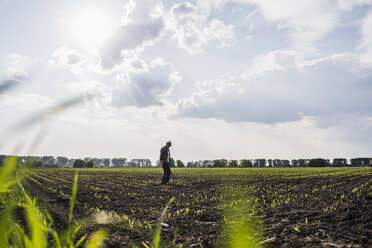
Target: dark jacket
(164,153)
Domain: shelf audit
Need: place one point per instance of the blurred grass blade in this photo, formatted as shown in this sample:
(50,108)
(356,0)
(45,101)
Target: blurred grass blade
(6,85)
(55,234)
(28,122)
(97,239)
(156,239)
(241,235)
(36,222)
(5,223)
(5,171)
(240,224)
(73,197)
(81,240)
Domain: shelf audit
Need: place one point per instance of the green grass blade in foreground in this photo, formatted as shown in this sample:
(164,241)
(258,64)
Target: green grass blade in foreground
(243,231)
(36,222)
(69,235)
(6,213)
(241,234)
(54,232)
(5,223)
(73,197)
(156,239)
(5,173)
(97,239)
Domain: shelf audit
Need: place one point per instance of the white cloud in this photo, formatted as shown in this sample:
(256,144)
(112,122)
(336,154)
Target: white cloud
(274,60)
(287,91)
(127,10)
(95,93)
(16,66)
(145,86)
(304,22)
(142,26)
(307,21)
(15,72)
(65,56)
(366,44)
(131,37)
(190,28)
(217,30)
(349,4)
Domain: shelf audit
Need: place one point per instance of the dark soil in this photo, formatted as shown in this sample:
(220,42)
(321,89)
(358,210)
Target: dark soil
(331,210)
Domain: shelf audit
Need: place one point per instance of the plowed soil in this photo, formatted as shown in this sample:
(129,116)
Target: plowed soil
(294,207)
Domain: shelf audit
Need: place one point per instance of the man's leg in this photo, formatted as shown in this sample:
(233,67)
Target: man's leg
(166,175)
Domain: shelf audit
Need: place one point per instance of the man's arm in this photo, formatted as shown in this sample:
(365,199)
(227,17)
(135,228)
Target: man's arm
(163,154)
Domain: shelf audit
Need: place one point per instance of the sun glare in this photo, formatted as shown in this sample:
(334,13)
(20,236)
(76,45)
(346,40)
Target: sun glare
(91,27)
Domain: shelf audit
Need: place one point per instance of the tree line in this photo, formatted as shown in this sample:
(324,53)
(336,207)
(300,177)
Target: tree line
(62,162)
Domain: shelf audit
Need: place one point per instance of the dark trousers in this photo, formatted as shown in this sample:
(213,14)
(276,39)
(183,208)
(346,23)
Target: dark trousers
(167,172)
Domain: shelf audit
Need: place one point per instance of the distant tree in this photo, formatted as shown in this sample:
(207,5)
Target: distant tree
(98,162)
(157,164)
(139,162)
(294,163)
(27,161)
(220,163)
(32,162)
(198,163)
(359,161)
(70,162)
(37,158)
(87,159)
(106,162)
(245,163)
(37,164)
(118,162)
(180,164)
(233,163)
(190,164)
(339,162)
(318,162)
(134,163)
(148,163)
(50,166)
(172,163)
(277,163)
(260,163)
(89,164)
(78,163)
(270,163)
(48,160)
(300,162)
(129,164)
(62,160)
(286,163)
(194,164)
(20,160)
(217,163)
(207,163)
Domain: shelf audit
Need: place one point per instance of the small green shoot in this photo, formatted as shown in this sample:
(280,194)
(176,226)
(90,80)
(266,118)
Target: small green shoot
(156,239)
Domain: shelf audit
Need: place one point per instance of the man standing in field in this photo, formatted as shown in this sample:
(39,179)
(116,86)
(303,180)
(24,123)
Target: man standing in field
(165,162)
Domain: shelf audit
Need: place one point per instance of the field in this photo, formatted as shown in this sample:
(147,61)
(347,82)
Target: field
(268,207)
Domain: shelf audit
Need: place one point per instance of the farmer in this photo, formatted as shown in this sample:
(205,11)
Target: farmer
(165,162)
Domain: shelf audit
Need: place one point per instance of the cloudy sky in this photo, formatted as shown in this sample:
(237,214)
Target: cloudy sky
(221,79)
